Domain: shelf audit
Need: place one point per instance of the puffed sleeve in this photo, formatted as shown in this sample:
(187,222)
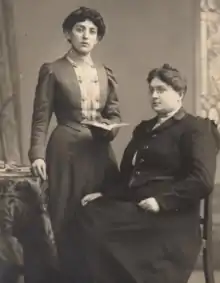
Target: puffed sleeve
(42,112)
(111,111)
(199,147)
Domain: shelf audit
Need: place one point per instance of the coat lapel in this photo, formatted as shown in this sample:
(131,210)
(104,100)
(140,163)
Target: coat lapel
(68,77)
(168,123)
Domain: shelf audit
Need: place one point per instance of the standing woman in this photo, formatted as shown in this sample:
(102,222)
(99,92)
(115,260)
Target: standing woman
(78,160)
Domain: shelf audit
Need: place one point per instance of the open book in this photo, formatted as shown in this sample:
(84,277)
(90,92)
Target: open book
(107,127)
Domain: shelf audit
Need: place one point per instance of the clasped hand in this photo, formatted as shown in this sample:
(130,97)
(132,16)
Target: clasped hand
(149,204)
(90,197)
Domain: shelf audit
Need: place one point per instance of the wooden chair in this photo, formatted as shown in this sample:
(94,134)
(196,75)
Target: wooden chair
(207,249)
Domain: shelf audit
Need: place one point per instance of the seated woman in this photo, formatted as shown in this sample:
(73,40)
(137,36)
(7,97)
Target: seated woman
(148,230)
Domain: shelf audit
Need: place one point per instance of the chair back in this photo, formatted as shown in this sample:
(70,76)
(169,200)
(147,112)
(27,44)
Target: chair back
(206,221)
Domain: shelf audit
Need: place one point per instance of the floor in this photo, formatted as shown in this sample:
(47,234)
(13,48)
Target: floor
(198,277)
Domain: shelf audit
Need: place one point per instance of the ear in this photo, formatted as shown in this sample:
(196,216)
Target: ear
(182,94)
(99,38)
(67,35)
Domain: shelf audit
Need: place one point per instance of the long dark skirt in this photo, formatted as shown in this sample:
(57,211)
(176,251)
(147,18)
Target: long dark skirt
(124,243)
(78,163)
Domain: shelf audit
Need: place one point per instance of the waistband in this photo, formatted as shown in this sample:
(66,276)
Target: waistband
(160,178)
(72,124)
(142,178)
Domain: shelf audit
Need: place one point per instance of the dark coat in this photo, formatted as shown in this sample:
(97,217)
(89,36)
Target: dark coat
(185,148)
(175,164)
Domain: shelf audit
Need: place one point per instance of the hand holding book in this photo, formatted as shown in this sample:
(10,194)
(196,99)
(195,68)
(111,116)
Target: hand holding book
(104,126)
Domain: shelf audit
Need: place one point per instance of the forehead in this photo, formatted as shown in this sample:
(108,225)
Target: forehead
(157,82)
(86,24)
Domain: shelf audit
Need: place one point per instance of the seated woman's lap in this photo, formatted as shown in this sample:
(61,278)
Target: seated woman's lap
(123,231)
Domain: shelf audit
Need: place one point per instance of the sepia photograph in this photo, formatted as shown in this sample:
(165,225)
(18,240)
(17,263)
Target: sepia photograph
(109,141)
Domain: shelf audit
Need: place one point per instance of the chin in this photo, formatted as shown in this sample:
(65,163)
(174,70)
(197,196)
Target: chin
(84,51)
(156,109)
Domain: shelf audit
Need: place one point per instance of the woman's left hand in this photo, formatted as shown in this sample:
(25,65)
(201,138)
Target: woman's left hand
(149,204)
(90,197)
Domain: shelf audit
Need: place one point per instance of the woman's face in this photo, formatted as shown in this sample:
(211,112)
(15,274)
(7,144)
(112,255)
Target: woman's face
(164,98)
(83,37)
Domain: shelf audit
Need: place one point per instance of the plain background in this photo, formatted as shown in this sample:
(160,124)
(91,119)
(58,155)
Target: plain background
(140,35)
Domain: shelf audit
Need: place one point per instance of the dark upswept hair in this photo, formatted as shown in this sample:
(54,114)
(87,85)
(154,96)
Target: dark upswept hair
(82,14)
(170,76)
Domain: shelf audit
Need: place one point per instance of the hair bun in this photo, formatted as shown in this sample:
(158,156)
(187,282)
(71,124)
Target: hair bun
(83,8)
(168,67)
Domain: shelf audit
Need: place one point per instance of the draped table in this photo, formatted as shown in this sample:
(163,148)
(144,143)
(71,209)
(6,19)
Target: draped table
(27,243)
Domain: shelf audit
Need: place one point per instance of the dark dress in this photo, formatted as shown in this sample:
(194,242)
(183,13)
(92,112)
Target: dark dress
(175,163)
(79,159)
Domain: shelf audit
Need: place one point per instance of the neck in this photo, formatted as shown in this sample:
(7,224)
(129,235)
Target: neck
(169,114)
(78,57)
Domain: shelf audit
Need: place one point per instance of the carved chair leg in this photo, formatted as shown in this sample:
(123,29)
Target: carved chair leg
(208,264)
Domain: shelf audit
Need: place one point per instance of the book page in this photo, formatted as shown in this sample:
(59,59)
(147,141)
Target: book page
(104,126)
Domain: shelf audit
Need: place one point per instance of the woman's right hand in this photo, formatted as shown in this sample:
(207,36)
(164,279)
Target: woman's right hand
(39,168)
(90,197)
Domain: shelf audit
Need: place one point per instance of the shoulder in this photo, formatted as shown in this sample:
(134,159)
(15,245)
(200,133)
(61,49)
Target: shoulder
(210,128)
(50,67)
(111,76)
(45,69)
(204,128)
(197,123)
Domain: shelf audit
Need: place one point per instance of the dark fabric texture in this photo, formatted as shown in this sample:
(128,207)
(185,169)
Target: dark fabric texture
(79,159)
(27,245)
(58,92)
(175,164)
(77,165)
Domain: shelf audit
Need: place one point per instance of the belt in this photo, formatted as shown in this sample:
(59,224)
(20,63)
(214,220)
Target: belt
(142,178)
(160,178)
(72,124)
